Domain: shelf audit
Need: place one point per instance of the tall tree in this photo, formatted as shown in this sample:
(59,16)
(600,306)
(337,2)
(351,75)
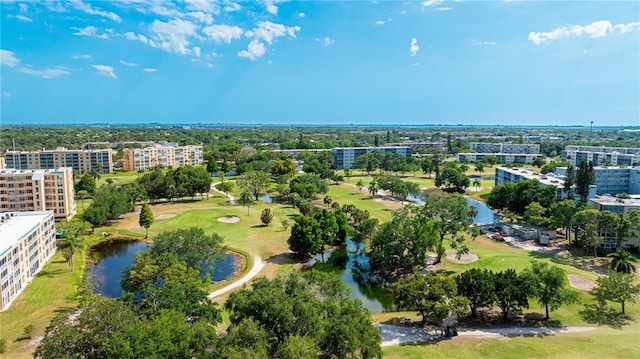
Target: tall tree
(512,291)
(86,183)
(246,200)
(452,216)
(146,218)
(72,242)
(562,212)
(432,296)
(193,246)
(549,286)
(477,286)
(617,287)
(534,214)
(569,181)
(306,237)
(585,176)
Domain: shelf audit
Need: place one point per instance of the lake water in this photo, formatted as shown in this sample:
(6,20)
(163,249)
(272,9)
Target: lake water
(485,214)
(352,265)
(266,198)
(114,257)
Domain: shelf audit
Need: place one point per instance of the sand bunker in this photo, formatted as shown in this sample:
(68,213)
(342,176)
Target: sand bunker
(166,216)
(464,259)
(229,219)
(579,282)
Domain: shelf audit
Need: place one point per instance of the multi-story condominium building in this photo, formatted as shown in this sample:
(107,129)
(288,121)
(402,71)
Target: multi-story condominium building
(344,156)
(162,154)
(510,148)
(506,174)
(27,242)
(437,146)
(82,161)
(3,163)
(613,180)
(615,205)
(601,156)
(38,190)
(519,158)
(293,153)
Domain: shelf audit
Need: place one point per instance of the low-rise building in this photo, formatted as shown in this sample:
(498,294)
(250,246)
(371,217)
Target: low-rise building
(508,174)
(506,158)
(162,154)
(27,242)
(38,190)
(505,148)
(81,161)
(345,156)
(436,146)
(619,206)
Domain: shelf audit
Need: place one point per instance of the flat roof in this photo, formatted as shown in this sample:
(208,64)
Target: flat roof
(36,171)
(612,200)
(18,224)
(549,179)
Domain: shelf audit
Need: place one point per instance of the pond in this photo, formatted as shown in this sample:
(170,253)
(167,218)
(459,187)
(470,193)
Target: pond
(114,256)
(485,214)
(266,198)
(352,265)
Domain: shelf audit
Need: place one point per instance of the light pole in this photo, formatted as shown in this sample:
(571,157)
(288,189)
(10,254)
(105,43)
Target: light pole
(590,132)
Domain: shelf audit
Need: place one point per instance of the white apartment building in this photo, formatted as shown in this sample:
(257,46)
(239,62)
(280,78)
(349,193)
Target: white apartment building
(27,242)
(601,156)
(162,154)
(507,174)
(613,180)
(506,158)
(510,148)
(345,156)
(38,190)
(615,205)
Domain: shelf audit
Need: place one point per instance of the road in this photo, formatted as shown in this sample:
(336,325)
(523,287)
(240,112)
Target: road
(258,264)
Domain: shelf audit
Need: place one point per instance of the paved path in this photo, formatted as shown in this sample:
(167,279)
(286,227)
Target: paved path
(395,335)
(258,264)
(232,200)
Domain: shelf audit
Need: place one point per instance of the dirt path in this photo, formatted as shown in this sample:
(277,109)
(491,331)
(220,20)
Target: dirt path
(395,335)
(258,264)
(232,200)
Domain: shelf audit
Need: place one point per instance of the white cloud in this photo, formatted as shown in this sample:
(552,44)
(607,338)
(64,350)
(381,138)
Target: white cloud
(271,7)
(90,31)
(222,33)
(130,64)
(81,57)
(79,5)
(55,6)
(207,6)
(445,8)
(255,50)
(230,7)
(23,7)
(484,43)
(45,73)
(327,41)
(149,70)
(268,31)
(196,51)
(132,36)
(301,14)
(173,36)
(595,30)
(6,94)
(7,58)
(105,71)
(201,16)
(414,46)
(432,2)
(20,17)
(382,22)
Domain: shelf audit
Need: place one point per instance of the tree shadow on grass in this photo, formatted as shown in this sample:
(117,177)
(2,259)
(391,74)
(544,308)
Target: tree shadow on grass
(51,273)
(601,314)
(282,258)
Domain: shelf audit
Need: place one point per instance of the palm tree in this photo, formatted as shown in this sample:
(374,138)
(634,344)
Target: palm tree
(246,200)
(622,261)
(373,188)
(360,184)
(476,182)
(69,247)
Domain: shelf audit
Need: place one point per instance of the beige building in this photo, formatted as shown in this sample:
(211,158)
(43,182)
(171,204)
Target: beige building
(162,154)
(27,242)
(3,163)
(38,190)
(82,161)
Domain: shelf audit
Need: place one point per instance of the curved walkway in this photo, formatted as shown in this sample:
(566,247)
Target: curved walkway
(395,335)
(258,264)
(232,200)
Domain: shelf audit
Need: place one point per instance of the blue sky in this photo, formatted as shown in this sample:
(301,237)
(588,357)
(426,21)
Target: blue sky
(319,62)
